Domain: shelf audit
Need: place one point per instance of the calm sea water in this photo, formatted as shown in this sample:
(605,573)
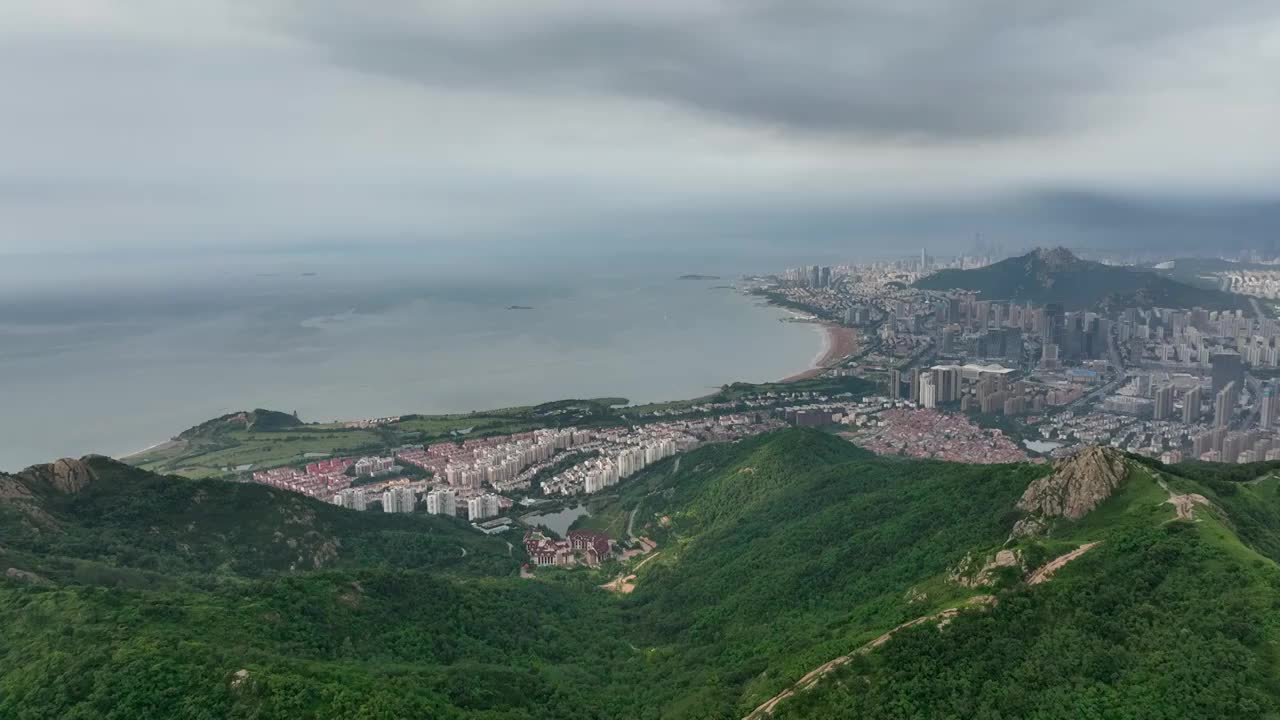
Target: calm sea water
(113,366)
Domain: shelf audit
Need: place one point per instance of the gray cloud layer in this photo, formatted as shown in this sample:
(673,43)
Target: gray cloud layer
(930,69)
(699,124)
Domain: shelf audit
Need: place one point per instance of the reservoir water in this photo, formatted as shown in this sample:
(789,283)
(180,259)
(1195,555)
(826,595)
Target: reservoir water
(1041,446)
(558,521)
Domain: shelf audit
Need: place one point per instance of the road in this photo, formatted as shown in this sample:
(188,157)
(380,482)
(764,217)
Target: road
(631,519)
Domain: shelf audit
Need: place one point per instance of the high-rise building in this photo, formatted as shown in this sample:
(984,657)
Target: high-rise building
(1191,407)
(928,392)
(914,394)
(1202,443)
(1051,331)
(1224,404)
(946,383)
(895,384)
(442,502)
(1144,385)
(1267,408)
(352,499)
(1232,446)
(484,506)
(1049,356)
(992,402)
(1013,345)
(1015,405)
(399,500)
(1164,403)
(1227,368)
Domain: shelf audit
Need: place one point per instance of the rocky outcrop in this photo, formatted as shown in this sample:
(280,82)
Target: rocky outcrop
(24,576)
(969,574)
(11,488)
(1077,485)
(71,476)
(67,476)
(17,495)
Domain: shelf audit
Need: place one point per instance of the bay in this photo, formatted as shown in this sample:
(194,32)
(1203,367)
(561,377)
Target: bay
(114,369)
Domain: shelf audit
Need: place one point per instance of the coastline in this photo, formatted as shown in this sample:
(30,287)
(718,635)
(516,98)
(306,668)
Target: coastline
(838,343)
(162,445)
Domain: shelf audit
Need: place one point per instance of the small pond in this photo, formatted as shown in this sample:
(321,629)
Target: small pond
(558,521)
(1042,446)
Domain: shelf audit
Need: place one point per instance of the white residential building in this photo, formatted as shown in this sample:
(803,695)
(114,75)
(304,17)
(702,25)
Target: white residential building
(442,502)
(399,500)
(352,499)
(484,506)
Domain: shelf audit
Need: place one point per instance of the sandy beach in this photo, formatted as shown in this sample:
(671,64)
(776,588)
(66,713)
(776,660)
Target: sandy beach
(839,342)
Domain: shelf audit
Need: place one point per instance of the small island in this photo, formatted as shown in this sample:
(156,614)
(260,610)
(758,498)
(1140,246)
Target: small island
(695,276)
(519,307)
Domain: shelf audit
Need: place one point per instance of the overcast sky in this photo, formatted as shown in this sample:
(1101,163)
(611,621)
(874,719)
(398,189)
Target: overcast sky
(186,125)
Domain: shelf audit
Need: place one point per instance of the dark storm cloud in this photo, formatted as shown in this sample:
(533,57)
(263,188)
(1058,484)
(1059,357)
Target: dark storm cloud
(931,69)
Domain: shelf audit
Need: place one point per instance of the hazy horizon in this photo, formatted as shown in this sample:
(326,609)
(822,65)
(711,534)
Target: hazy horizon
(197,128)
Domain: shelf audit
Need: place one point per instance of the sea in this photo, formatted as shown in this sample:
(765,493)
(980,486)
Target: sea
(112,355)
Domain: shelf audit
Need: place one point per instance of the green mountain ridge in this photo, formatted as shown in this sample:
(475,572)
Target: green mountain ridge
(776,555)
(1046,276)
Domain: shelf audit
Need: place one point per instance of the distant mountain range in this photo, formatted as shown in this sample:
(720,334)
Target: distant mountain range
(1057,276)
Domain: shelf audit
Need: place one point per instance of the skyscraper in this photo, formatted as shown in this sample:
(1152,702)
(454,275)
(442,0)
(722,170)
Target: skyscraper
(442,502)
(1051,331)
(1224,404)
(1164,403)
(399,500)
(1267,409)
(1227,368)
(1191,407)
(928,392)
(895,384)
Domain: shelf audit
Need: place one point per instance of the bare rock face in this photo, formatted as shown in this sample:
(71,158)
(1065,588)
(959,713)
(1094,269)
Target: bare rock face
(72,476)
(969,573)
(67,476)
(1077,485)
(25,576)
(11,488)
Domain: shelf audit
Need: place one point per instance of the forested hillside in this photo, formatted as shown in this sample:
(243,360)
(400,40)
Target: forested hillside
(138,596)
(1057,276)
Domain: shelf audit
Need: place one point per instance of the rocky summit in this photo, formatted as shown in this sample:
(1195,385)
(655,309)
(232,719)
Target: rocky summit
(1077,485)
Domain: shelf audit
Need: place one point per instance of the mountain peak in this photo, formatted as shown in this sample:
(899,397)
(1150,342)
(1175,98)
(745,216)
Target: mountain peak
(1078,484)
(1054,257)
(67,475)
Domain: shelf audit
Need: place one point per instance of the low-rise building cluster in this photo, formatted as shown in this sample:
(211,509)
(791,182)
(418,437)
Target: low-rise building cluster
(924,433)
(320,479)
(588,547)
